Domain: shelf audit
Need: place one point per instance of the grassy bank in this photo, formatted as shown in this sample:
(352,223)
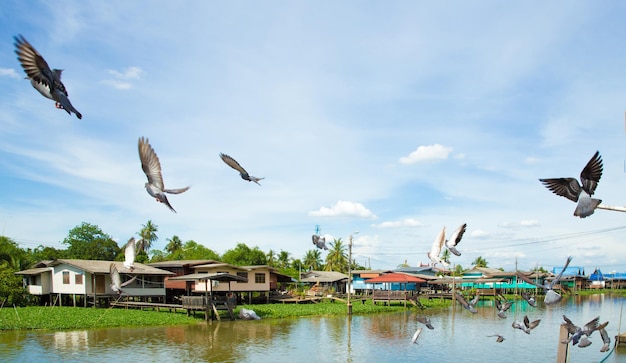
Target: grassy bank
(63,318)
(59,318)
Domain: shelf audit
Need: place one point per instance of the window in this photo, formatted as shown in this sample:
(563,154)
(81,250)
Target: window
(66,277)
(259,278)
(78,279)
(242,274)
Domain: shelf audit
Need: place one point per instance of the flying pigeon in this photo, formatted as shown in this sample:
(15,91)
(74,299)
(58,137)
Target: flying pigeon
(426,321)
(152,168)
(416,335)
(435,250)
(129,254)
(455,239)
(529,298)
(499,338)
(572,190)
(320,242)
(467,305)
(552,297)
(248,314)
(116,280)
(526,326)
(45,80)
(235,165)
(580,335)
(605,339)
(502,304)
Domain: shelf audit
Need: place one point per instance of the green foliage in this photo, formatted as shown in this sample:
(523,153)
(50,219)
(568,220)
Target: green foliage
(88,242)
(242,255)
(57,318)
(480,262)
(42,253)
(147,236)
(11,288)
(173,245)
(337,260)
(312,260)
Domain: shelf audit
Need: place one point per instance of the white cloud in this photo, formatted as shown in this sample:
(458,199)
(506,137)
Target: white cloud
(121,80)
(9,72)
(479,233)
(433,152)
(344,208)
(408,222)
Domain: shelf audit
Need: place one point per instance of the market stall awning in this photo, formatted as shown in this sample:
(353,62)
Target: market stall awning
(394,277)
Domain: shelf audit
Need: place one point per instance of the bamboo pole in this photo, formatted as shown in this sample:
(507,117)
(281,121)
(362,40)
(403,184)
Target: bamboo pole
(610,207)
(563,349)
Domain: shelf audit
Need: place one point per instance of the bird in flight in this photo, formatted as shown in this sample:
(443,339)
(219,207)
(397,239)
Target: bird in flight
(455,239)
(467,305)
(552,297)
(152,168)
(572,190)
(129,254)
(116,280)
(499,338)
(45,80)
(319,242)
(426,321)
(435,250)
(235,165)
(526,326)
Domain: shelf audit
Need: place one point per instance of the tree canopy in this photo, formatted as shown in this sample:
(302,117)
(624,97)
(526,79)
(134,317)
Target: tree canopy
(89,242)
(242,255)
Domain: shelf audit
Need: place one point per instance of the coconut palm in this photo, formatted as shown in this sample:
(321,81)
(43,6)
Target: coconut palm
(271,258)
(337,260)
(147,236)
(445,256)
(284,260)
(174,244)
(480,262)
(312,260)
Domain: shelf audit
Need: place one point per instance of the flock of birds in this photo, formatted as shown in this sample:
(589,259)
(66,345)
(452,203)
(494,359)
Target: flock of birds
(577,335)
(48,83)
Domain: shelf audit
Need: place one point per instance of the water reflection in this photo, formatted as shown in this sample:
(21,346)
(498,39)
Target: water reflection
(458,336)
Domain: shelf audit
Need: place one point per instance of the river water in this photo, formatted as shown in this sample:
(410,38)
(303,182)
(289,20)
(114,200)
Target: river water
(458,337)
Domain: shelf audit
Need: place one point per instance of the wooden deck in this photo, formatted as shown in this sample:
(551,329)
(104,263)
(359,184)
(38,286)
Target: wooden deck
(146,305)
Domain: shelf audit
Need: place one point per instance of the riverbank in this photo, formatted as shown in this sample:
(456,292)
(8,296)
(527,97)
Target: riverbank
(64,318)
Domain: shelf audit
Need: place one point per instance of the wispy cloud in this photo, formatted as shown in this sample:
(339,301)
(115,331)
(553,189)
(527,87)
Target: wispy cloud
(344,208)
(122,80)
(435,152)
(521,224)
(408,222)
(9,72)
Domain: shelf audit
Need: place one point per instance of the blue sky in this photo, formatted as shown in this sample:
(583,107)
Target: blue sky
(393,120)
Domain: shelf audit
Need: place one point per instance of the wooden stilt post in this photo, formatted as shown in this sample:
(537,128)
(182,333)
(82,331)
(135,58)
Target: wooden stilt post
(563,349)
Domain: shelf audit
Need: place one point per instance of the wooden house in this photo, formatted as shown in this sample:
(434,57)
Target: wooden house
(68,281)
(323,282)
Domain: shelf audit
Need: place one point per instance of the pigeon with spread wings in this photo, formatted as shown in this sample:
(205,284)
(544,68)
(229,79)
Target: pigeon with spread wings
(130,252)
(152,168)
(552,297)
(572,190)
(45,80)
(435,250)
(455,239)
(116,280)
(235,165)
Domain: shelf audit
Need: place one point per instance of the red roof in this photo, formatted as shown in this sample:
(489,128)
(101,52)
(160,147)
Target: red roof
(394,277)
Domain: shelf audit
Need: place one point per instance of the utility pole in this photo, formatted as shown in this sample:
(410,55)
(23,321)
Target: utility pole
(350,271)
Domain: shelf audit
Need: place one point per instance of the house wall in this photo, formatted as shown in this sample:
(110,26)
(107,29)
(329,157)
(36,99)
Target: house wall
(58,287)
(251,285)
(38,284)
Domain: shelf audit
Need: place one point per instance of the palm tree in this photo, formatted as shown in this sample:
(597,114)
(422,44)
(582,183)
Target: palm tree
(271,255)
(312,260)
(174,244)
(480,262)
(284,259)
(405,264)
(336,260)
(445,257)
(147,236)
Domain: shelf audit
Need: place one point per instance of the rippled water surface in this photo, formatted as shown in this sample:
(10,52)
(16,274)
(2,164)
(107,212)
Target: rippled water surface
(458,337)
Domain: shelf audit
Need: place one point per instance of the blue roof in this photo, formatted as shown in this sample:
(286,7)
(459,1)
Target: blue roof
(596,276)
(570,271)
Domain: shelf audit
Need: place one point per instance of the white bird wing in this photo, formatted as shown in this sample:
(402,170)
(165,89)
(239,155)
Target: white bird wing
(416,335)
(129,253)
(455,239)
(150,163)
(435,250)
(116,280)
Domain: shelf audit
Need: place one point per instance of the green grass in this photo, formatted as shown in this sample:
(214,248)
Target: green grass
(64,318)
(60,318)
